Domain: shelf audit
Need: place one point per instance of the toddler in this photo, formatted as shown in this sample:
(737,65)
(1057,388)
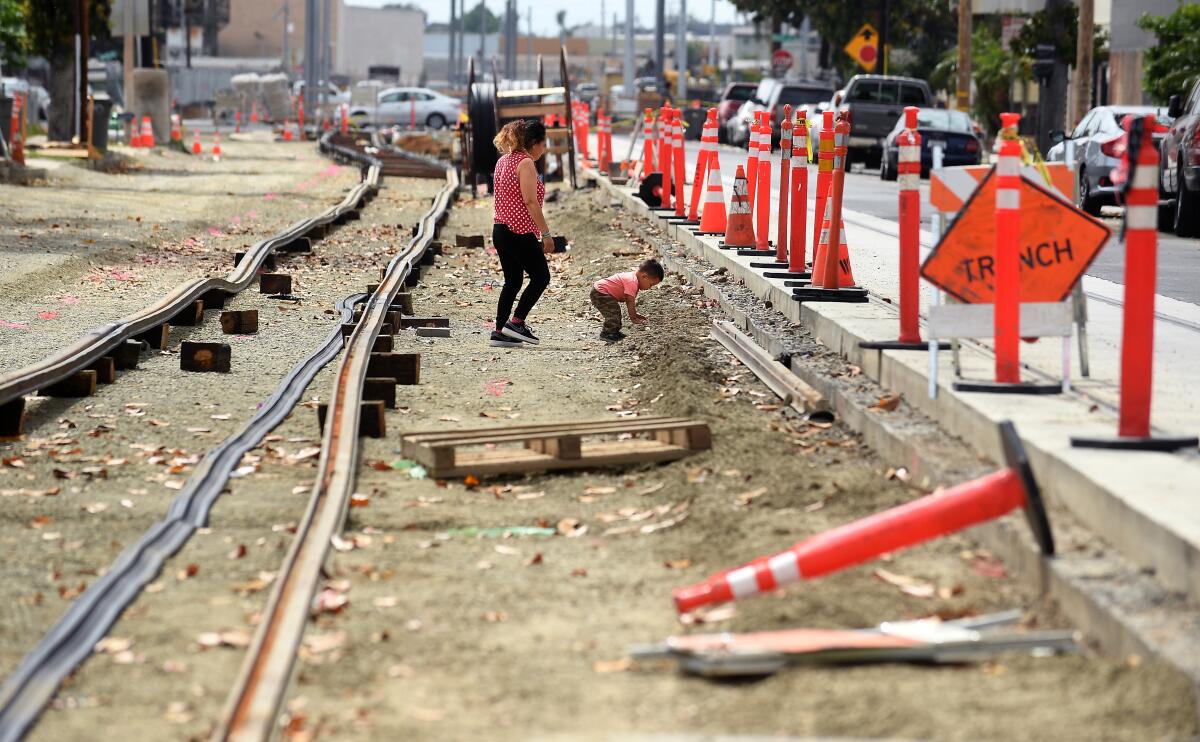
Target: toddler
(608,293)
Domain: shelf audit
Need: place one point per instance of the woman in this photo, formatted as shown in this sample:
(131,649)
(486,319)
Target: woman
(520,233)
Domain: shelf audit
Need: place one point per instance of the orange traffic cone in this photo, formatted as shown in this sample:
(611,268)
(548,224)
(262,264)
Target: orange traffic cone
(739,232)
(926,518)
(135,134)
(712,216)
(147,132)
(845,274)
(176,130)
(254,112)
(196,142)
(287,130)
(216,150)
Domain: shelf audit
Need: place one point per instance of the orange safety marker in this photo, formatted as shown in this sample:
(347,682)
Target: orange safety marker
(921,520)
(254,111)
(300,119)
(147,132)
(799,198)
(647,142)
(344,123)
(176,129)
(824,172)
(1139,183)
(287,129)
(832,277)
(785,185)
(679,161)
(216,150)
(237,122)
(740,231)
(762,207)
(708,145)
(602,154)
(17,134)
(196,142)
(908,171)
(752,158)
(713,220)
(666,137)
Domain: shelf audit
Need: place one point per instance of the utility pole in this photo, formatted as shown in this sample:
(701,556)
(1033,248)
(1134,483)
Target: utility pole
(885,32)
(603,18)
(627,78)
(529,38)
(312,26)
(482,32)
(681,54)
(326,46)
(712,34)
(450,59)
(660,22)
(81,69)
(287,33)
(962,95)
(127,25)
(1083,59)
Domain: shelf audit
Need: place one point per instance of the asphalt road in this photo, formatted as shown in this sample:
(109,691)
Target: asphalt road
(1178,258)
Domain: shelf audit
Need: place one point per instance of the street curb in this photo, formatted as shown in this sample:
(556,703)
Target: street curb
(1122,609)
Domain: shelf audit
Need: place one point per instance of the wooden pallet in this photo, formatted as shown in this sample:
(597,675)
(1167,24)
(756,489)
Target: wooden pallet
(575,445)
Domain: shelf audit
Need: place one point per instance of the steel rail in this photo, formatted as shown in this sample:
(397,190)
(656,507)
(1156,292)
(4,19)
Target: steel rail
(99,341)
(253,706)
(72,638)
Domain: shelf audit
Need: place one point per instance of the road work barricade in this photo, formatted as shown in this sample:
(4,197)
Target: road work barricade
(926,518)
(1140,165)
(1049,244)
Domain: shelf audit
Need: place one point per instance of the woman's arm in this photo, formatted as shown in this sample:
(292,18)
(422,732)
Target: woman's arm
(527,177)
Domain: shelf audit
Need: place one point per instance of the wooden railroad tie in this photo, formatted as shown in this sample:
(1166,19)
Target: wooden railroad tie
(384,344)
(407,323)
(274,283)
(156,337)
(190,316)
(267,266)
(214,299)
(572,445)
(371,418)
(242,322)
(212,357)
(105,368)
(405,368)
(469,240)
(127,354)
(79,384)
(12,414)
(382,389)
(433,332)
(300,244)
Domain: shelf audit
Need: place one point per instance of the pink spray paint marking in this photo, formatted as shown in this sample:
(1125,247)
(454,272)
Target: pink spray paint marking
(495,387)
(14,325)
(270,196)
(121,275)
(214,232)
(252,214)
(68,300)
(52,314)
(235,220)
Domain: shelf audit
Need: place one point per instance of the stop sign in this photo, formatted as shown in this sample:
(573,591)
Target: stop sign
(781,60)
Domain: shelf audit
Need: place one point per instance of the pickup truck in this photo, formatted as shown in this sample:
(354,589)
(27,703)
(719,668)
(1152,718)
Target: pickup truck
(875,103)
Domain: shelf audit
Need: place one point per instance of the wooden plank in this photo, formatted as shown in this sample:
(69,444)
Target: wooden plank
(466,436)
(530,92)
(529,110)
(1038,319)
(592,455)
(105,368)
(676,433)
(423,435)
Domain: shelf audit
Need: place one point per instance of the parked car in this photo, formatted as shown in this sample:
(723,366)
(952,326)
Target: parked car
(799,95)
(736,93)
(35,96)
(737,128)
(953,130)
(333,94)
(1179,160)
(403,105)
(874,103)
(1099,144)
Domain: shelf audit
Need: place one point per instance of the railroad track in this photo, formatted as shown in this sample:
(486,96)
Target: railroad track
(253,706)
(103,341)
(71,640)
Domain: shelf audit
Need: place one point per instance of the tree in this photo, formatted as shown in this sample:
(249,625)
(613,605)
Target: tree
(470,19)
(1172,63)
(51,33)
(991,68)
(12,34)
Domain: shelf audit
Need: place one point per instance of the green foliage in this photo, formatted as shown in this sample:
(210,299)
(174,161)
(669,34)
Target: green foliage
(924,27)
(991,67)
(1172,63)
(51,24)
(1057,25)
(12,34)
(470,20)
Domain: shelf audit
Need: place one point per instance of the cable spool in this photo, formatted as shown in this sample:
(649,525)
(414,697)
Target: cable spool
(481,108)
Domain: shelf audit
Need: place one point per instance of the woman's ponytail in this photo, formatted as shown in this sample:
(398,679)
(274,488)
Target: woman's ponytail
(521,134)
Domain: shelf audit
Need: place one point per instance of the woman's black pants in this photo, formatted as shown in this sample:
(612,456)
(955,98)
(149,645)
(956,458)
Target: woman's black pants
(519,254)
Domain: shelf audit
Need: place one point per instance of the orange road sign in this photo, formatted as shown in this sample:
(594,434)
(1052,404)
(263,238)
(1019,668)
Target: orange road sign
(1058,243)
(864,47)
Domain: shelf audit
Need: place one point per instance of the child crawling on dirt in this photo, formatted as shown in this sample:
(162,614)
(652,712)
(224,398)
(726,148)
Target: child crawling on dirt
(608,293)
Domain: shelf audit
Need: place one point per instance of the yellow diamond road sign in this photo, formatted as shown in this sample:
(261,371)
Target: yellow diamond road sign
(864,47)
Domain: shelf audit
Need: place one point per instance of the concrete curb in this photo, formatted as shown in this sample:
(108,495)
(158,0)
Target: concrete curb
(1120,607)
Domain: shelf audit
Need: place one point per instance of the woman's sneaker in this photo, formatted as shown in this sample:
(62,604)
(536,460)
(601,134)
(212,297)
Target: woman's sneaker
(500,341)
(612,337)
(520,332)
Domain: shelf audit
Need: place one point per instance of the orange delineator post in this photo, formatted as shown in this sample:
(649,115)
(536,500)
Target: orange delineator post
(237,122)
(1141,163)
(708,145)
(601,145)
(17,150)
(680,162)
(836,185)
(785,184)
(254,112)
(912,523)
(666,135)
(762,207)
(1007,314)
(824,173)
(799,197)
(647,142)
(752,158)
(343,124)
(300,119)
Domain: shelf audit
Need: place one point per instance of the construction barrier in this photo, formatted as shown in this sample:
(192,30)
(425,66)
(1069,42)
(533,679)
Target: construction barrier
(708,148)
(797,261)
(1140,163)
(647,142)
(785,185)
(679,163)
(752,158)
(762,206)
(666,146)
(926,518)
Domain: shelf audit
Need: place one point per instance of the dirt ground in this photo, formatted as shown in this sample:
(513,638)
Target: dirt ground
(426,631)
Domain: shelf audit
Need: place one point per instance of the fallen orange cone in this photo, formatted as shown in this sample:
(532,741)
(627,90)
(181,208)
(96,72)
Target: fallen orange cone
(939,514)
